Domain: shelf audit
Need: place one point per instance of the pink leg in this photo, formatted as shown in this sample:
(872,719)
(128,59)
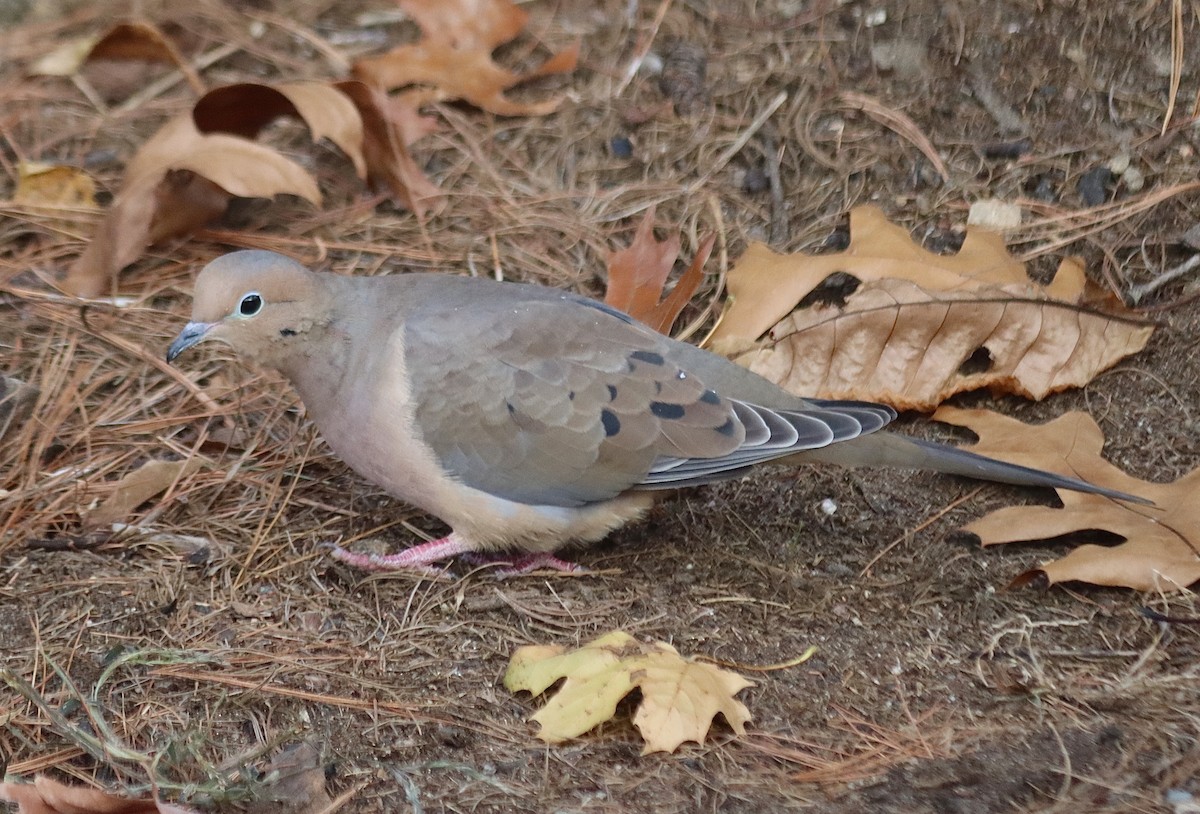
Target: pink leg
(524,563)
(417,558)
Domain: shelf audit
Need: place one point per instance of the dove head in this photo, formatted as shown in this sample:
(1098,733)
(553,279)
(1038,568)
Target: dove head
(259,303)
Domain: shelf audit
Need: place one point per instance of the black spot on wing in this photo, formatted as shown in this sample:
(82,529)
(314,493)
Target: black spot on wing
(599,306)
(649,357)
(612,424)
(668,412)
(710,397)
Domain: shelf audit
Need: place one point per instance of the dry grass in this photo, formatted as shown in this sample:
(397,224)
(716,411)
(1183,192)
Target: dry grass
(213,632)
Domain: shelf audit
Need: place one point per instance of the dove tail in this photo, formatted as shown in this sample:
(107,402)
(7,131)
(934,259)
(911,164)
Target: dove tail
(888,449)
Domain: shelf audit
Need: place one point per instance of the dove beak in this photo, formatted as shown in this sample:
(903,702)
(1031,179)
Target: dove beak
(192,333)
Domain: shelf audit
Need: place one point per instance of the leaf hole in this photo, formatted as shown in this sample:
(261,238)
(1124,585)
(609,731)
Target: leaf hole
(833,290)
(980,361)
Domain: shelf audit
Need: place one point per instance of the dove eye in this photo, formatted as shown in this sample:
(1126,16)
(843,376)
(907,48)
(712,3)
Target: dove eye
(250,304)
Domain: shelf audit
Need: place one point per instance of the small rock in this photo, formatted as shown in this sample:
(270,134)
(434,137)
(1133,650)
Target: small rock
(1007,149)
(875,17)
(756,181)
(994,214)
(903,57)
(1133,179)
(1046,188)
(1093,186)
(1191,238)
(1160,62)
(1119,163)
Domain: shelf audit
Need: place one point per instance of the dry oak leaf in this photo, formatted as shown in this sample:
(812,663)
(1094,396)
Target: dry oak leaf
(454,55)
(180,180)
(886,320)
(186,174)
(150,479)
(390,125)
(137,40)
(680,697)
(46,796)
(1162,542)
(638,274)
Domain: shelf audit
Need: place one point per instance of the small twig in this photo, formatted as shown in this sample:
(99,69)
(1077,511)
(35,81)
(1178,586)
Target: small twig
(772,157)
(1162,618)
(346,796)
(1135,293)
(898,122)
(1067,772)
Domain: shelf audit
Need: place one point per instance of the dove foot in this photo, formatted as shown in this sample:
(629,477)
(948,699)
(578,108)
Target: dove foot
(419,558)
(512,566)
(422,557)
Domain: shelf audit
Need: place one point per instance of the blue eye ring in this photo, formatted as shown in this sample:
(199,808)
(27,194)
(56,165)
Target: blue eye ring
(250,304)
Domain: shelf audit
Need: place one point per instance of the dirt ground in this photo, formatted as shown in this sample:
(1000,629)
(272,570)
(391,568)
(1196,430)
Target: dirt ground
(933,688)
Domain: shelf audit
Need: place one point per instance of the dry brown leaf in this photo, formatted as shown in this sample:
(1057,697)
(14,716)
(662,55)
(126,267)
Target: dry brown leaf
(404,110)
(179,180)
(296,778)
(389,126)
(373,131)
(150,479)
(185,175)
(680,697)
(638,274)
(1162,547)
(136,41)
(46,796)
(245,109)
(175,203)
(455,55)
(888,321)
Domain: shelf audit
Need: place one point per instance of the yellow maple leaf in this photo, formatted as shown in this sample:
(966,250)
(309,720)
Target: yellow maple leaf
(680,696)
(54,185)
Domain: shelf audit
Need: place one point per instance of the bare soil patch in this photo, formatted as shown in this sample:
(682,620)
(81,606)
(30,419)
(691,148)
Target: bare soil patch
(934,689)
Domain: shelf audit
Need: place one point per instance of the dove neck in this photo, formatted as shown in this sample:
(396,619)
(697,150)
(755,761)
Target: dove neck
(317,355)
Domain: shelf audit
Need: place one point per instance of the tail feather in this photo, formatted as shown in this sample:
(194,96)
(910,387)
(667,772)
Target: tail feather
(888,449)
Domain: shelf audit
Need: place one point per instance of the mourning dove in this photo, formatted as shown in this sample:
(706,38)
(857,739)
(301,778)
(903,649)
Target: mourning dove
(527,417)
